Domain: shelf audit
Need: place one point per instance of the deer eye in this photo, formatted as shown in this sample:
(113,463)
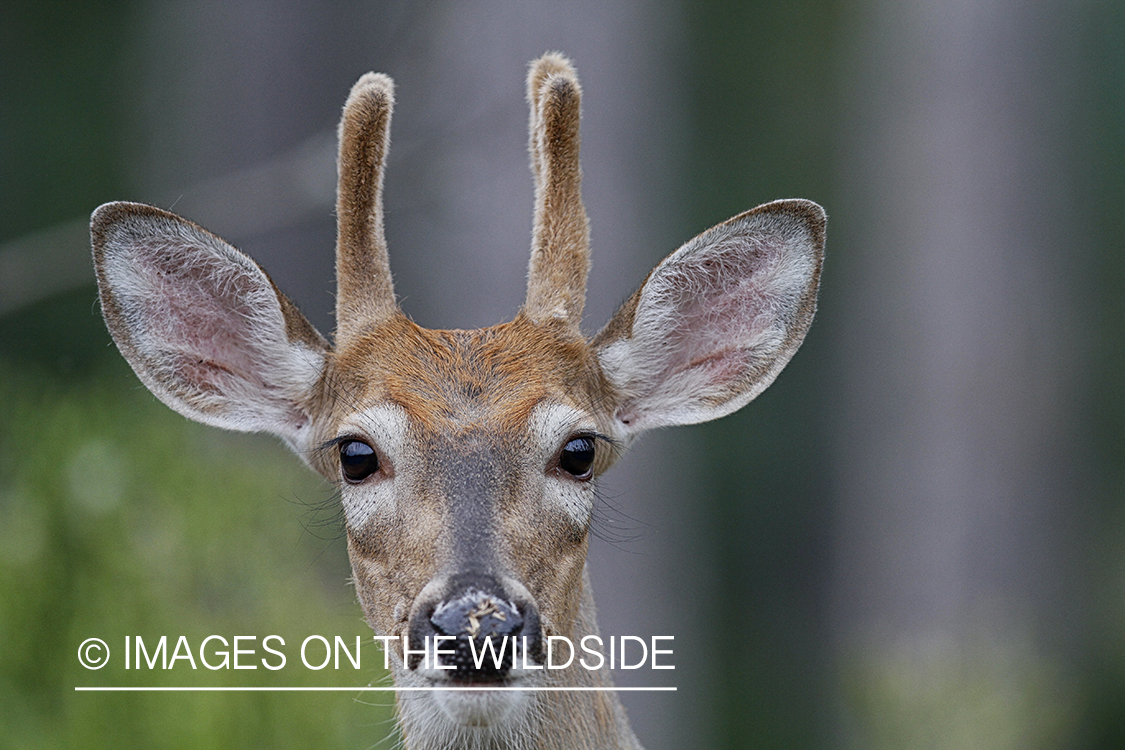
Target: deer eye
(358,460)
(577,457)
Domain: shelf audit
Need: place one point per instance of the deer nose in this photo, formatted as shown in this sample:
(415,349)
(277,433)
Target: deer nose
(490,633)
(477,615)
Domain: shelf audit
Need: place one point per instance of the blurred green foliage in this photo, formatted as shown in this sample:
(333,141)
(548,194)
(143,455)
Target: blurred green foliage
(946,693)
(120,518)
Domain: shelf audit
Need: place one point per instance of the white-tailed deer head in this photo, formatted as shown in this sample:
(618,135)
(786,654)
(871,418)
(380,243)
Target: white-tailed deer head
(466,460)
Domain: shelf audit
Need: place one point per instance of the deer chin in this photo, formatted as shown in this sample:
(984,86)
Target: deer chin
(493,705)
(476,718)
(484,708)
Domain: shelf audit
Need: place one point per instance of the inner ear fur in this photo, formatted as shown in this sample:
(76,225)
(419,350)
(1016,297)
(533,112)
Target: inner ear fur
(202,325)
(717,320)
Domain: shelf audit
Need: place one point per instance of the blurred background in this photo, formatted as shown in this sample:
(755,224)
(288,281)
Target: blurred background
(914,539)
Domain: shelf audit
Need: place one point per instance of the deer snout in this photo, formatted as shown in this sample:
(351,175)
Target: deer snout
(491,631)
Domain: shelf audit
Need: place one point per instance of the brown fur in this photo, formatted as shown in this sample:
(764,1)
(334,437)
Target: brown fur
(499,372)
(560,247)
(364,292)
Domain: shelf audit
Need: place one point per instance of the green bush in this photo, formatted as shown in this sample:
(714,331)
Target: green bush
(120,518)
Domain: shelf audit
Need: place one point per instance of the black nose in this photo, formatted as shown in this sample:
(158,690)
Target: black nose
(486,628)
(490,632)
(476,614)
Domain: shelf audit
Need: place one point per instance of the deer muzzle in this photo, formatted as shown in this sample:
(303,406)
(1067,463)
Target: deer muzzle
(479,632)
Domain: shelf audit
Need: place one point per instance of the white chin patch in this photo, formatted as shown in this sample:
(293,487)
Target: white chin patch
(468,719)
(483,708)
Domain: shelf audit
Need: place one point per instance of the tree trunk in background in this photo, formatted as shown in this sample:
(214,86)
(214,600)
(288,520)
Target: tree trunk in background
(956,587)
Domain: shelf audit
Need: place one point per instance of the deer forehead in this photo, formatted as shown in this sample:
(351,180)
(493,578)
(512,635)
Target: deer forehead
(462,386)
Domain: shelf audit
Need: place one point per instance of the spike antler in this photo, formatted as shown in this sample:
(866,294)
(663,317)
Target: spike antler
(364,289)
(560,248)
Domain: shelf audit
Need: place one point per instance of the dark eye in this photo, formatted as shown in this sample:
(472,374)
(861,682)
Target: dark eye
(357,460)
(577,457)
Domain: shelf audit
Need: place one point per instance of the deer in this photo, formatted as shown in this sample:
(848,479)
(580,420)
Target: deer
(466,461)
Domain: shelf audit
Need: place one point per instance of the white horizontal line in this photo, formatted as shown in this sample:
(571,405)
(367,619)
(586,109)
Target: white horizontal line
(136,689)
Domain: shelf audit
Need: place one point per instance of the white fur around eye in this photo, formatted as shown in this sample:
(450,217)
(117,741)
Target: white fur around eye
(549,427)
(386,427)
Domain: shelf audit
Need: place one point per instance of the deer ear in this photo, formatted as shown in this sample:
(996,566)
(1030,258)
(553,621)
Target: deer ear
(202,325)
(717,320)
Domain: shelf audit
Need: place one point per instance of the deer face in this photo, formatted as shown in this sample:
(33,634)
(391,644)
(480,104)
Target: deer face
(466,460)
(461,471)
